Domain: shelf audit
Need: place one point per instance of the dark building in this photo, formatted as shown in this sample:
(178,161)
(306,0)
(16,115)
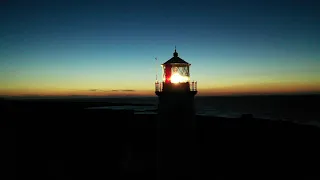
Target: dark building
(176,94)
(176,119)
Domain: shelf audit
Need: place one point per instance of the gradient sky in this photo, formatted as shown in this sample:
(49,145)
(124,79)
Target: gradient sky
(105,48)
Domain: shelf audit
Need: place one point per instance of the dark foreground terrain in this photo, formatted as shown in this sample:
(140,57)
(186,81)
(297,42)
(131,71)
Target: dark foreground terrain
(61,140)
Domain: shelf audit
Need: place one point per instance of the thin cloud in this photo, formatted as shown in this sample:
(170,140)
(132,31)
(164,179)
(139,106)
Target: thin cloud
(113,90)
(123,90)
(97,90)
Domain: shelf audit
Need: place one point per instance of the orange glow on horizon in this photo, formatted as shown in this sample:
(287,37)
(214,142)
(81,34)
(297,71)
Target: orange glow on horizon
(66,92)
(268,88)
(272,88)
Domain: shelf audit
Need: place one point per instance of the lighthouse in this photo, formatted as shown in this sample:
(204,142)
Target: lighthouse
(176,94)
(176,119)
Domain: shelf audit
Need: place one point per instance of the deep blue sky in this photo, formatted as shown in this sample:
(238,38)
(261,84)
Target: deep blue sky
(75,46)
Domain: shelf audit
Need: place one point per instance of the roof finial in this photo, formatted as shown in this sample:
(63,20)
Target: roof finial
(175,54)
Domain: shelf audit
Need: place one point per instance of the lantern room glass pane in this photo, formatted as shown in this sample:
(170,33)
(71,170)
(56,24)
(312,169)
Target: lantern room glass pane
(176,73)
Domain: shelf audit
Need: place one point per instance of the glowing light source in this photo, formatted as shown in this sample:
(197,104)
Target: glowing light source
(177,78)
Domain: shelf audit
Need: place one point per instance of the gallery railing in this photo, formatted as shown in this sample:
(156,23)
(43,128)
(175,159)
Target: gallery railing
(159,86)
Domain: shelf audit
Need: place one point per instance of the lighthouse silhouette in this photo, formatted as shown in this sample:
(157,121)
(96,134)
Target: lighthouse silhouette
(176,120)
(176,94)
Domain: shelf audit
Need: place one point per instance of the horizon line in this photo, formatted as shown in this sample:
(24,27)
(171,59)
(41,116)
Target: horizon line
(149,96)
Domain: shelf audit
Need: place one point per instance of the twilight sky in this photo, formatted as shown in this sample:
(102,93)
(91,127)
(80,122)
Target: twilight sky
(69,47)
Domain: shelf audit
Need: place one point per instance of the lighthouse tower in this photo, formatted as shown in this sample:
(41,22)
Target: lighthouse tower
(176,94)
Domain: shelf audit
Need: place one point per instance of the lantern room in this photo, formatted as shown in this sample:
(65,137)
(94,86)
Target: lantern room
(176,70)
(176,76)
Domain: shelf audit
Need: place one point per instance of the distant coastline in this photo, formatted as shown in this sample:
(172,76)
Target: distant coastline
(128,96)
(293,108)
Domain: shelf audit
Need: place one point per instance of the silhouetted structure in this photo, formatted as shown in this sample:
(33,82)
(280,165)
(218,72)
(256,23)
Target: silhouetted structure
(176,119)
(176,94)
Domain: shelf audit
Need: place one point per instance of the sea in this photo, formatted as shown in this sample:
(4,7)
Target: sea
(303,109)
